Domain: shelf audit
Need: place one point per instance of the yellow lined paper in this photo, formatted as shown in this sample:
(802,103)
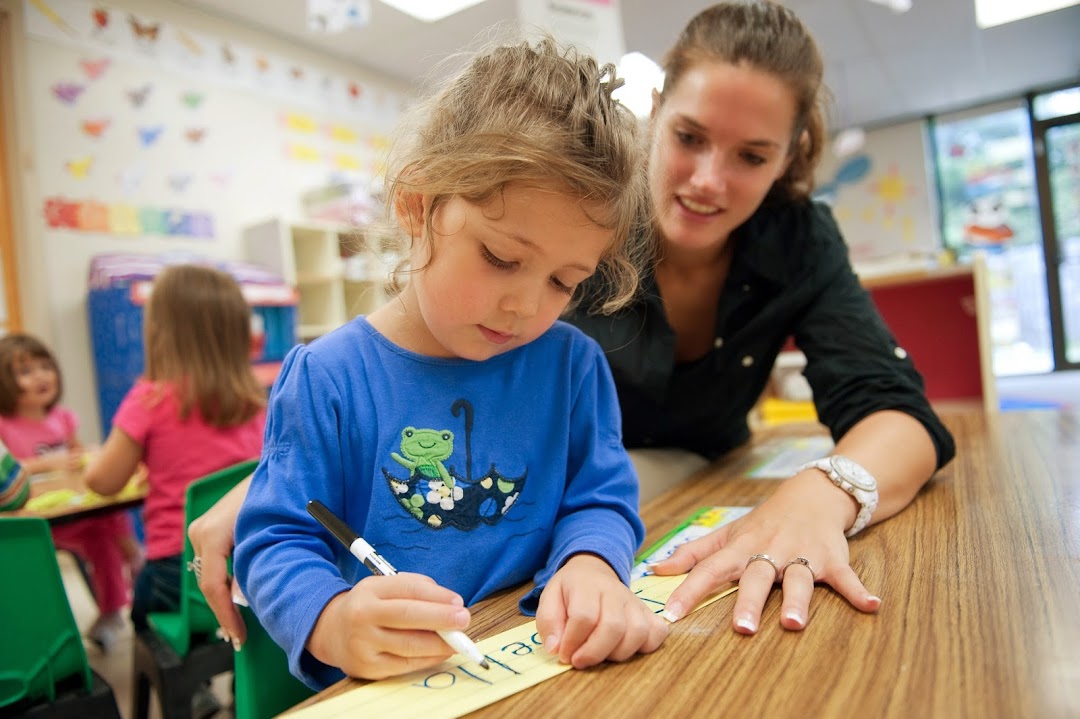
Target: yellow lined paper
(457,686)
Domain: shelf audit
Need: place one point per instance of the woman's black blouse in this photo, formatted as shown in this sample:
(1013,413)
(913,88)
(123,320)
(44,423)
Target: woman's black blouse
(790,276)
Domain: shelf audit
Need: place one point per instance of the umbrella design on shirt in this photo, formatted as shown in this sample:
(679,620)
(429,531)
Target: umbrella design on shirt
(435,494)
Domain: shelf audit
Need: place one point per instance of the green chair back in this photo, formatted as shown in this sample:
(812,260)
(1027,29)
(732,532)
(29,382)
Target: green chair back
(195,616)
(264,687)
(41,641)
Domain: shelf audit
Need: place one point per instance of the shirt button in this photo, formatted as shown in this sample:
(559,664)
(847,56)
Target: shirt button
(718,342)
(746,288)
(900,353)
(747,361)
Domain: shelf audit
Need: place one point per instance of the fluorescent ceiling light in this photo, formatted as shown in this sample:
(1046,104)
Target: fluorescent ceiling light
(430,10)
(989,13)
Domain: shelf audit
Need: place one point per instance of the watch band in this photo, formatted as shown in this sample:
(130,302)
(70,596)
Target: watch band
(851,477)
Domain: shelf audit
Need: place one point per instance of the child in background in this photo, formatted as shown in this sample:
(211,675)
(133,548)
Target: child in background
(461,429)
(196,409)
(42,435)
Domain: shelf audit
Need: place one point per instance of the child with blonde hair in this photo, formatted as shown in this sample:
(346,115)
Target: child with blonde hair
(471,437)
(42,435)
(197,409)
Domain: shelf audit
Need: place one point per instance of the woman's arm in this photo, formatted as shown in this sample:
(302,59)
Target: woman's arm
(114,464)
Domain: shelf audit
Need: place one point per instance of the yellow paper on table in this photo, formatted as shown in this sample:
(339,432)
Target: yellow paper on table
(458,686)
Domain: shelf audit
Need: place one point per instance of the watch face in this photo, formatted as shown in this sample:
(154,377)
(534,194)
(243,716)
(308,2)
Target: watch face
(854,473)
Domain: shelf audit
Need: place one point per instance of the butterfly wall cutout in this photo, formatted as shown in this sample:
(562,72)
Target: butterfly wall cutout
(68,92)
(192,99)
(145,33)
(195,135)
(79,168)
(179,181)
(149,135)
(131,179)
(95,68)
(95,128)
(100,18)
(139,95)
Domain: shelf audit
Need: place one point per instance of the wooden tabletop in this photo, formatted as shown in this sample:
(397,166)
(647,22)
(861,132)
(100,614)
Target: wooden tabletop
(980,614)
(84,503)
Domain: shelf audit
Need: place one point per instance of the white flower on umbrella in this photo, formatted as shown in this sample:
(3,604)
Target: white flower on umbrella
(440,494)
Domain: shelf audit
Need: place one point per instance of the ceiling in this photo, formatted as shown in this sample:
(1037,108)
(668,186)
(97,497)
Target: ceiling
(881,67)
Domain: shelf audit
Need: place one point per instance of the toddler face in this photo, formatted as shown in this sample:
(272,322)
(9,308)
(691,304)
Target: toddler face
(37,381)
(498,275)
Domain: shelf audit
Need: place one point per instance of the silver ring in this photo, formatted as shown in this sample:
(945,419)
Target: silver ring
(195,565)
(763,558)
(803,561)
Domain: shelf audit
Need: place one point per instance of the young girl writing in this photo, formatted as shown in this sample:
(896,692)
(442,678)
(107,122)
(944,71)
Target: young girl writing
(197,409)
(461,429)
(42,435)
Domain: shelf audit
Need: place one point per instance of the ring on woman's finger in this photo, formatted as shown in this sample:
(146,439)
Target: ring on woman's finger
(804,562)
(195,565)
(764,558)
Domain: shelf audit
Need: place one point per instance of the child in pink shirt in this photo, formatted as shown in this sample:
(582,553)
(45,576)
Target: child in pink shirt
(42,435)
(197,409)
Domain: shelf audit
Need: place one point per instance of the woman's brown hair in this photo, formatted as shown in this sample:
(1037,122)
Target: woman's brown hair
(197,336)
(770,38)
(18,348)
(540,116)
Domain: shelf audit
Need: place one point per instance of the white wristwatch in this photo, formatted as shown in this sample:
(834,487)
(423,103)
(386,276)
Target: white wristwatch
(850,476)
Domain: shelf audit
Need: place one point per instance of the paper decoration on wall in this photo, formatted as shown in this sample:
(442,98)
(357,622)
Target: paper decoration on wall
(79,168)
(221,178)
(345,162)
(138,96)
(100,18)
(179,181)
(130,179)
(850,172)
(145,33)
(95,128)
(192,99)
(296,73)
(149,135)
(95,68)
(53,17)
(195,135)
(262,64)
(91,216)
(302,153)
(340,133)
(68,92)
(297,122)
(891,188)
(190,43)
(227,55)
(332,16)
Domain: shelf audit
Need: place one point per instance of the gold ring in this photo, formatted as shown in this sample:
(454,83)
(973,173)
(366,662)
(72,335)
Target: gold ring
(763,558)
(803,561)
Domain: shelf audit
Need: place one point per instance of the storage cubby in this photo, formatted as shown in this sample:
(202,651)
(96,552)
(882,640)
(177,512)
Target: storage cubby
(339,272)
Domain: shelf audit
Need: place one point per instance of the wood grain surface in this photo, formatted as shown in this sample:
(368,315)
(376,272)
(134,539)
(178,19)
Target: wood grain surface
(980,582)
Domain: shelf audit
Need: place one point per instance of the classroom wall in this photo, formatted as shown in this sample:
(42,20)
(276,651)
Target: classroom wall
(128,139)
(882,194)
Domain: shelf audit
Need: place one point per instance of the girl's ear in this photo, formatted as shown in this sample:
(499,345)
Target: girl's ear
(409,210)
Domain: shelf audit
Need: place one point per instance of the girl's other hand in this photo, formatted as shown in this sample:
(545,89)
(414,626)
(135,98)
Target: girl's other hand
(385,626)
(587,615)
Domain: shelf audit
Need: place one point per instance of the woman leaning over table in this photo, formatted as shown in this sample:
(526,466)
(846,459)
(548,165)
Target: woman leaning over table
(746,261)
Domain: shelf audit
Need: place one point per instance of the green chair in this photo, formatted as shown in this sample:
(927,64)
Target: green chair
(44,671)
(264,686)
(180,653)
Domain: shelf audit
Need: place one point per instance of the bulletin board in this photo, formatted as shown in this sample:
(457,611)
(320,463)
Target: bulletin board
(154,134)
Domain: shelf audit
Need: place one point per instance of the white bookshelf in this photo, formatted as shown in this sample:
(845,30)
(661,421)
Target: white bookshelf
(339,272)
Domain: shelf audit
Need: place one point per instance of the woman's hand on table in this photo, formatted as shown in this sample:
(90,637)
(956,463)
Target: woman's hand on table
(213,536)
(801,519)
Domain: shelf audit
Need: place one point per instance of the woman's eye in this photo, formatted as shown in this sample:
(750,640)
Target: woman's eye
(686,138)
(753,159)
(495,261)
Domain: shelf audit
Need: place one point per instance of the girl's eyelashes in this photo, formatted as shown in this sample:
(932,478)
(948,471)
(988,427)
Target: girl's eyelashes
(754,159)
(687,138)
(495,261)
(562,286)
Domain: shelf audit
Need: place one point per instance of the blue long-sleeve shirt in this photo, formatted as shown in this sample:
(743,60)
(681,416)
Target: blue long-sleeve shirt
(480,475)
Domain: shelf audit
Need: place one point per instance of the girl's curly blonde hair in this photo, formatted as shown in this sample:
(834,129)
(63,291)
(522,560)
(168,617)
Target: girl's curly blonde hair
(536,115)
